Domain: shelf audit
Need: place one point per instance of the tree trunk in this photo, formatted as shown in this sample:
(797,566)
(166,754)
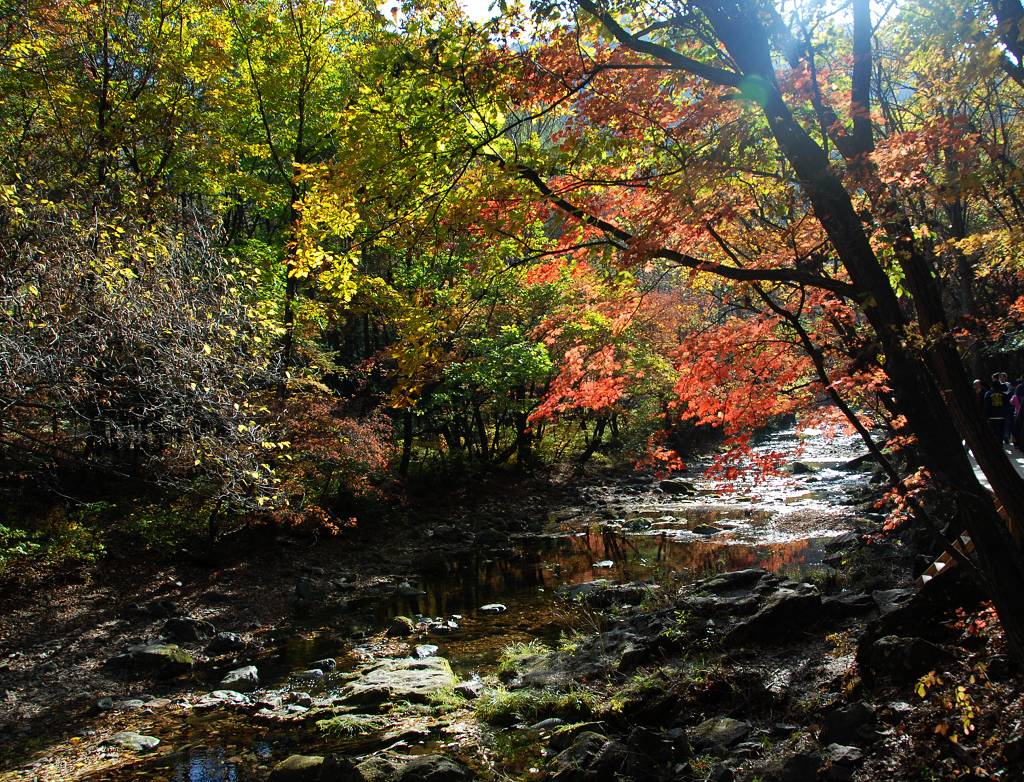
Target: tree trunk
(934,404)
(524,440)
(403,466)
(931,391)
(481,431)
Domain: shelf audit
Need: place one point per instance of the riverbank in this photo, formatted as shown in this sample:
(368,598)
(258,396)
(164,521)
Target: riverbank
(571,633)
(58,633)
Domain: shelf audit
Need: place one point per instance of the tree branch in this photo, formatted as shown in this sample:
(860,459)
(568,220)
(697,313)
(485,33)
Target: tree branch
(622,239)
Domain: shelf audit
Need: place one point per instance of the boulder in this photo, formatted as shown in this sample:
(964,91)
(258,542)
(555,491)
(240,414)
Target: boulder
(848,605)
(325,665)
(1013,750)
(565,735)
(721,772)
(801,767)
(924,614)
(677,486)
(902,659)
(737,579)
(245,679)
(633,655)
(602,593)
(136,742)
(188,629)
(164,660)
(776,683)
(390,766)
(434,768)
(402,679)
(470,689)
(225,643)
(848,724)
(719,733)
(785,611)
(837,773)
(864,462)
(337,768)
(309,591)
(843,755)
(889,600)
(270,701)
(742,604)
(400,627)
(650,748)
(582,591)
(384,767)
(298,768)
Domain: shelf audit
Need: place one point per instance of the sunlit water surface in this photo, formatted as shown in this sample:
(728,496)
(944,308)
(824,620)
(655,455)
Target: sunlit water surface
(625,533)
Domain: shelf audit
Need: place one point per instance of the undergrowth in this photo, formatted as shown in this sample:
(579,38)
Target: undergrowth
(505,707)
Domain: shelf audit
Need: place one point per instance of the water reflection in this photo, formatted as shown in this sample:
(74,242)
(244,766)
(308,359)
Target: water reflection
(206,764)
(785,530)
(549,562)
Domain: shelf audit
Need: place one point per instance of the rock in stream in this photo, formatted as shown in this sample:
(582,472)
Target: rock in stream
(401,679)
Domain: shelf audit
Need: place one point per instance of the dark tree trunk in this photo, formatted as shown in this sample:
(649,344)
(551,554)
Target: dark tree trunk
(524,440)
(935,396)
(922,364)
(403,466)
(481,431)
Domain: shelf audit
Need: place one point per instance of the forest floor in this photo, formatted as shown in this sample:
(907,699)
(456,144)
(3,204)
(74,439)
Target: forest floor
(59,630)
(817,659)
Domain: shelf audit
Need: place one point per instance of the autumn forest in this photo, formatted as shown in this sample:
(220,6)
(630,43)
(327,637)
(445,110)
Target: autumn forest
(575,390)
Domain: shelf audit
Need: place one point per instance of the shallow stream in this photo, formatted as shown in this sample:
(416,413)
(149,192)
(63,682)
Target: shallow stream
(622,532)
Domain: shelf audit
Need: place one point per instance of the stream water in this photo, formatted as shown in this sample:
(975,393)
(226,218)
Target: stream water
(622,532)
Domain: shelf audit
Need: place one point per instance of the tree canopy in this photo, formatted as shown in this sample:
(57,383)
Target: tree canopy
(273,256)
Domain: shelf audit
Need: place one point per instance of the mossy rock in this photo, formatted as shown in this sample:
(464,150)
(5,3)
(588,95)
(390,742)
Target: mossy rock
(402,679)
(298,768)
(161,659)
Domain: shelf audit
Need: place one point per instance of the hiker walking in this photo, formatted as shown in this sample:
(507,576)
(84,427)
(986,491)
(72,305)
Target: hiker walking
(998,410)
